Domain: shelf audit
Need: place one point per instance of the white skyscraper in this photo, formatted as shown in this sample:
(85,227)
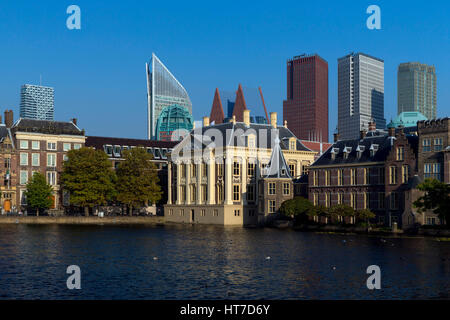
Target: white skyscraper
(360,94)
(37,102)
(163,90)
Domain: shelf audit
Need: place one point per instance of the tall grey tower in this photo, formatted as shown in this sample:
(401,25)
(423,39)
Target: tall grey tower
(416,85)
(360,94)
(37,102)
(163,90)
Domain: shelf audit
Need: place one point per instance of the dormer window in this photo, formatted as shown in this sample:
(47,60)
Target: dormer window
(359,151)
(334,152)
(347,151)
(373,149)
(292,144)
(251,141)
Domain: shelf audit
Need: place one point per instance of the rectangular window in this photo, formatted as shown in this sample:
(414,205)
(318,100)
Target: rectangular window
(220,193)
(250,192)
(327,200)
(271,188)
(23,159)
(353,200)
(35,159)
(51,160)
(77,146)
(340,174)
(315,199)
(286,189)
(66,146)
(236,193)
(437,144)
(215,213)
(183,193)
(23,177)
(8,163)
(220,169)
(52,146)
(381,176)
(194,170)
(366,173)
(23,144)
(193,193)
(292,145)
(340,199)
(366,200)
(51,178)
(394,201)
(237,213)
(381,200)
(271,206)
(400,153)
(203,212)
(426,145)
(315,178)
(35,145)
(66,157)
(204,169)
(204,193)
(405,174)
(392,175)
(353,176)
(182,212)
(251,169)
(236,168)
(292,170)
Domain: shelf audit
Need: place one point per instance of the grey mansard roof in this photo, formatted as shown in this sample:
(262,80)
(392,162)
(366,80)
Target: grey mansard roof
(46,127)
(383,144)
(234,134)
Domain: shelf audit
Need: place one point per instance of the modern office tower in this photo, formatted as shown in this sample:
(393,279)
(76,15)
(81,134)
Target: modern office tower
(163,90)
(37,102)
(360,94)
(416,88)
(306,106)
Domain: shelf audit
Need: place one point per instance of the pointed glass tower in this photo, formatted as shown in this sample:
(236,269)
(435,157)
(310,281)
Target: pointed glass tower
(163,90)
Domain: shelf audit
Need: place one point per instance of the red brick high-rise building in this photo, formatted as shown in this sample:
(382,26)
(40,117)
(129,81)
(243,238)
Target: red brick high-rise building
(306,106)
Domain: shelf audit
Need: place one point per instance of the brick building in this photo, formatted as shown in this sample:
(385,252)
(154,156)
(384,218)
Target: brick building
(41,146)
(159,150)
(372,172)
(306,105)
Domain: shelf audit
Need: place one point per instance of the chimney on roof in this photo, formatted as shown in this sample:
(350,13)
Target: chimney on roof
(285,123)
(362,134)
(247,117)
(205,121)
(74,121)
(273,119)
(9,118)
(336,137)
(372,125)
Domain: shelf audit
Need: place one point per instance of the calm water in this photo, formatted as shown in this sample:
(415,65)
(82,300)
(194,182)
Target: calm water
(206,262)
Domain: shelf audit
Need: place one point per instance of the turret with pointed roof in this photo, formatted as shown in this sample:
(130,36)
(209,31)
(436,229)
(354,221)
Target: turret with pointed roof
(217,115)
(239,105)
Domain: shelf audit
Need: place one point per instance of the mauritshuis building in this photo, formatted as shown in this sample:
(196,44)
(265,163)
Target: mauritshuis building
(360,94)
(169,105)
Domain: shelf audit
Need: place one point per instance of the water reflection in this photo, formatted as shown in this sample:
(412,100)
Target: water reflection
(210,262)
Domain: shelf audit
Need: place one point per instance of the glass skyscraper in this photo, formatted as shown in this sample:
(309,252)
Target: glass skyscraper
(37,102)
(163,90)
(416,85)
(360,94)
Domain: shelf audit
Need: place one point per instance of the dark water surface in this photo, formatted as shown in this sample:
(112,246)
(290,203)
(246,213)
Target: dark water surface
(208,262)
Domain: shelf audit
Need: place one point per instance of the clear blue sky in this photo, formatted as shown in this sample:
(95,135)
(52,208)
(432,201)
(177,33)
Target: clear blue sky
(98,72)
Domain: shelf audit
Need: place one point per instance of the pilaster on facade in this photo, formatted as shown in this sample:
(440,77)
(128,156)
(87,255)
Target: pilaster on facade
(211,181)
(188,182)
(169,183)
(228,180)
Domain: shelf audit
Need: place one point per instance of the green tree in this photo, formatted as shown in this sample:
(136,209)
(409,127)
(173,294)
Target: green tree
(341,210)
(364,215)
(38,193)
(88,177)
(297,207)
(436,198)
(137,179)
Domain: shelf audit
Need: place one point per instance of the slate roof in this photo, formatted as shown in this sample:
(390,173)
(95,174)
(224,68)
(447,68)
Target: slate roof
(229,134)
(383,142)
(99,142)
(46,127)
(277,167)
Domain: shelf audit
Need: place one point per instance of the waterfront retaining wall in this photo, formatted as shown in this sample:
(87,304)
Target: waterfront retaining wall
(82,220)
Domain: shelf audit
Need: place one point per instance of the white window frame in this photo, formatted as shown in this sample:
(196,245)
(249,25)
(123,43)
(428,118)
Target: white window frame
(49,164)
(38,145)
(50,144)
(23,144)
(32,159)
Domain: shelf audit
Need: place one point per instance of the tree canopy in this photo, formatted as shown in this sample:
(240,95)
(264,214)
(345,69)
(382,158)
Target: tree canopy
(297,207)
(39,193)
(89,177)
(137,179)
(436,198)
